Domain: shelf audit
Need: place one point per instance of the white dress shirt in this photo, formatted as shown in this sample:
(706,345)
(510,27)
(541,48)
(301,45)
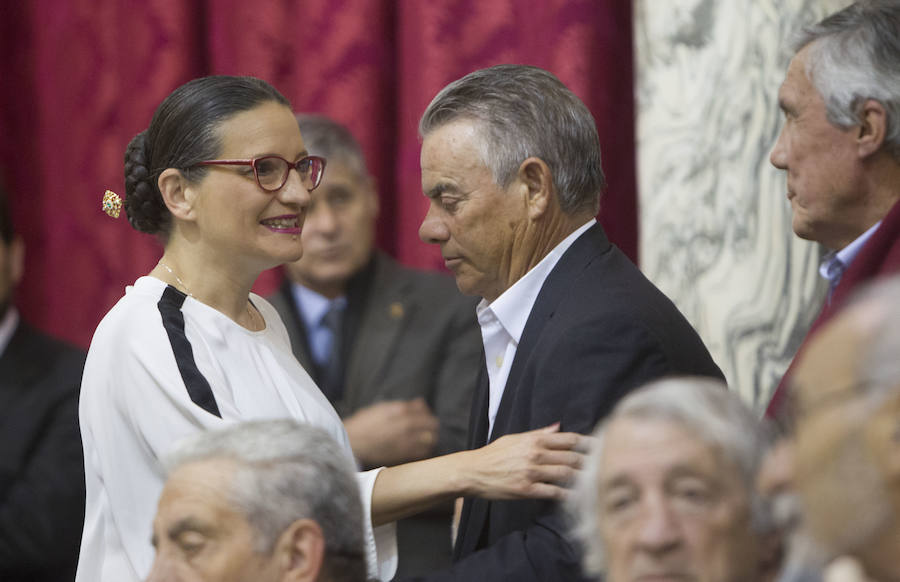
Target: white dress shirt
(503,321)
(8,327)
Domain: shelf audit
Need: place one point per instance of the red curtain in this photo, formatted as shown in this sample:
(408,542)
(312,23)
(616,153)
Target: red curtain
(80,78)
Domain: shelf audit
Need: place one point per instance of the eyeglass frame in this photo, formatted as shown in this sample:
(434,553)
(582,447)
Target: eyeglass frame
(252,163)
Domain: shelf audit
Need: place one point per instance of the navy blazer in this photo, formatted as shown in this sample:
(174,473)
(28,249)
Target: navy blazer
(598,329)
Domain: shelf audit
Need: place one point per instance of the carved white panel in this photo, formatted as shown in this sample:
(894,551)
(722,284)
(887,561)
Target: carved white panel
(715,222)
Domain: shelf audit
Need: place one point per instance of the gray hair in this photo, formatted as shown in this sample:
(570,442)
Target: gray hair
(703,406)
(524,111)
(288,471)
(854,55)
(325,137)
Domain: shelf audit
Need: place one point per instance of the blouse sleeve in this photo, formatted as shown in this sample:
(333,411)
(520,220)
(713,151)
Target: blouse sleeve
(134,407)
(381,542)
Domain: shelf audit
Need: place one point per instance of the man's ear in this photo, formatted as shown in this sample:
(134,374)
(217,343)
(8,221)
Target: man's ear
(16,259)
(371,189)
(872,128)
(301,551)
(883,437)
(535,176)
(175,193)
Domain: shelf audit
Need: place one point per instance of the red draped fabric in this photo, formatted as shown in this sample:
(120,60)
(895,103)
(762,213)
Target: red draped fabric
(80,78)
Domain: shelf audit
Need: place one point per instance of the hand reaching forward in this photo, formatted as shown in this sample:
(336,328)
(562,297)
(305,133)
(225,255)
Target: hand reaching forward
(536,464)
(539,464)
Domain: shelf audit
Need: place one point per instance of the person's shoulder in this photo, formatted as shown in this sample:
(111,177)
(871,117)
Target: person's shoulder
(133,316)
(47,356)
(42,342)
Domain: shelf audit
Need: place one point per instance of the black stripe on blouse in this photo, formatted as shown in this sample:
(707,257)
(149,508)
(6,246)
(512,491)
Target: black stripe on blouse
(173,321)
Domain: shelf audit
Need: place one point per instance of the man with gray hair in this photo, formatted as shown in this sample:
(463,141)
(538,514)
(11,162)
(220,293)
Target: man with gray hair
(261,501)
(840,147)
(511,167)
(846,409)
(668,492)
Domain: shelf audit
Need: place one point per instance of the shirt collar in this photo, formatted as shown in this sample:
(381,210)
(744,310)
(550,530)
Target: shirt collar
(7,327)
(835,262)
(313,306)
(514,305)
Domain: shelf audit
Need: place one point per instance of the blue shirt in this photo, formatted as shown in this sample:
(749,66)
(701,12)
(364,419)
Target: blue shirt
(836,262)
(313,307)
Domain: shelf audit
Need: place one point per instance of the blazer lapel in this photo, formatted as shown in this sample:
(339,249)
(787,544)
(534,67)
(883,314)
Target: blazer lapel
(17,365)
(386,311)
(474,520)
(577,257)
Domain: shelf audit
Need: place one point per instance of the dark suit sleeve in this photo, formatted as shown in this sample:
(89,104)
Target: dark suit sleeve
(42,507)
(536,554)
(456,378)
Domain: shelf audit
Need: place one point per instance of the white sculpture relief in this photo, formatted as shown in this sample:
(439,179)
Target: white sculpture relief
(715,223)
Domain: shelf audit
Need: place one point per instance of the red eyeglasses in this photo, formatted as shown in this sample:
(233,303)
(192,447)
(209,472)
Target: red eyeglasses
(272,171)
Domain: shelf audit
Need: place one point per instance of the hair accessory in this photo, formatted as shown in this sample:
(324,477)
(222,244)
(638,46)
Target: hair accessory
(112,204)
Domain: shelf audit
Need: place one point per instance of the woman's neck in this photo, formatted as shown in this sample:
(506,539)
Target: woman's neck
(214,281)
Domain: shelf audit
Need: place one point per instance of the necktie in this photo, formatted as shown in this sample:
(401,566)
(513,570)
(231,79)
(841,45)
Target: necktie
(331,372)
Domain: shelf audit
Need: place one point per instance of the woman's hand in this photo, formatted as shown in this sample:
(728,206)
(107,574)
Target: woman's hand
(534,464)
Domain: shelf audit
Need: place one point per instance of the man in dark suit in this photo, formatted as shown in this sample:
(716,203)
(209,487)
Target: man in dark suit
(41,465)
(511,166)
(402,366)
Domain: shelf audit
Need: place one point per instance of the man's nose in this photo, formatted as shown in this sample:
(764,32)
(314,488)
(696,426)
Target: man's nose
(659,530)
(161,571)
(322,218)
(778,156)
(433,230)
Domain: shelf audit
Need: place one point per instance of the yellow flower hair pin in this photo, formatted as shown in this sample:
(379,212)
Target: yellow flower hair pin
(112,204)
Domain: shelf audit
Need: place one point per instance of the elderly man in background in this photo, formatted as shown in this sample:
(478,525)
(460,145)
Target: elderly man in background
(262,501)
(511,167)
(846,397)
(41,465)
(840,147)
(667,492)
(401,364)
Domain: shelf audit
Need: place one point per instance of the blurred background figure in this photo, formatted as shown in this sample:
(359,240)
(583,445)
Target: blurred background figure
(263,501)
(41,466)
(396,350)
(668,489)
(846,408)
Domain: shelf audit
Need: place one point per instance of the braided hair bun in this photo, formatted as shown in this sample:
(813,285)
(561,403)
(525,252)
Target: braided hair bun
(143,202)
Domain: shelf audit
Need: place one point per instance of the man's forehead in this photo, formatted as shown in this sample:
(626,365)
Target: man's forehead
(634,445)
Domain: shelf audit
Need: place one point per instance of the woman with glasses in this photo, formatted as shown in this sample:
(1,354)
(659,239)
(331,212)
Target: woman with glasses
(222,178)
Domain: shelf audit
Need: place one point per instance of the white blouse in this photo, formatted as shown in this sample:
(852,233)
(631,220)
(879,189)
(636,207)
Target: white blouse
(135,404)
